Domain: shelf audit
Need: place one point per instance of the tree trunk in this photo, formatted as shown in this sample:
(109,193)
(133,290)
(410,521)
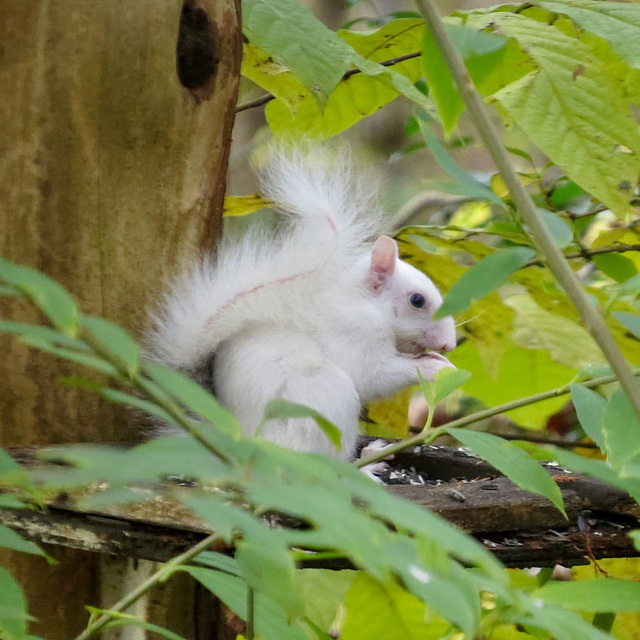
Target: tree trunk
(116,125)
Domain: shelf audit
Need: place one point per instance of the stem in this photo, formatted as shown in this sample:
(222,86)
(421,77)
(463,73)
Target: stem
(143,385)
(424,438)
(162,574)
(250,613)
(179,416)
(478,113)
(588,253)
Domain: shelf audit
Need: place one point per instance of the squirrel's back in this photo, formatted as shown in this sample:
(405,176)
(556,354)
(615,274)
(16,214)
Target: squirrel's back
(270,275)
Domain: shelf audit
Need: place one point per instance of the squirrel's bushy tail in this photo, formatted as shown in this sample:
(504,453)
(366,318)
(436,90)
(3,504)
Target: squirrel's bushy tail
(267,276)
(320,188)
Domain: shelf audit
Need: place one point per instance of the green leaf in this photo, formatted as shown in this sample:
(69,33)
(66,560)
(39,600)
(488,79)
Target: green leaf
(13,474)
(521,372)
(597,468)
(465,183)
(621,430)
(296,112)
(270,620)
(215,560)
(395,81)
(114,340)
(79,357)
(561,107)
(560,231)
(270,570)
(480,51)
(604,621)
(47,334)
(228,521)
(441,85)
(9,291)
(561,624)
(288,32)
(11,540)
(8,464)
(617,22)
(482,278)
(145,464)
(618,267)
(631,286)
(193,396)
(323,591)
(119,397)
(13,606)
(610,594)
(630,320)
(53,299)
(590,408)
(445,382)
(592,371)
(9,501)
(384,611)
(566,341)
(515,463)
(279,408)
(110,497)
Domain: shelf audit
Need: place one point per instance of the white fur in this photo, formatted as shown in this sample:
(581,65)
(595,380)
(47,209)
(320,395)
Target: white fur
(310,315)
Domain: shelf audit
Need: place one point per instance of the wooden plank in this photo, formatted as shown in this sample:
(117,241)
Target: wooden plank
(521,528)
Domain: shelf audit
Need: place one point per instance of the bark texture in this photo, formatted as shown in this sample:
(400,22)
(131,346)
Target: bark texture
(116,125)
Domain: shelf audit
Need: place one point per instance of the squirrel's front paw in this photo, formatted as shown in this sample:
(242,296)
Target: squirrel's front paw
(430,363)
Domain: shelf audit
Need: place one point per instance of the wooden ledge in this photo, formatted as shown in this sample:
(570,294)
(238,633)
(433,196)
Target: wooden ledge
(521,528)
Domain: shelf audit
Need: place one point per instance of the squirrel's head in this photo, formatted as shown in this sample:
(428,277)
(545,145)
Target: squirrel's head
(414,299)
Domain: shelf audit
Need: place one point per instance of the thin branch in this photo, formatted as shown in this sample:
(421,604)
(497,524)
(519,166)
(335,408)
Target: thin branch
(588,253)
(599,209)
(258,102)
(162,574)
(543,240)
(561,444)
(423,437)
(268,97)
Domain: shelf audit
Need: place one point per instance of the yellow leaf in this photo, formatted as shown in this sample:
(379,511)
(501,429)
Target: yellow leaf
(471,214)
(244,205)
(566,341)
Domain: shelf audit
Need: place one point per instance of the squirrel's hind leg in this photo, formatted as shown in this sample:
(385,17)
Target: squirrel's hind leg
(328,390)
(259,365)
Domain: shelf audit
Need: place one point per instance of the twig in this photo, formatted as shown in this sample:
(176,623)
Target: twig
(562,444)
(588,253)
(593,212)
(543,240)
(424,437)
(268,97)
(162,574)
(529,437)
(258,102)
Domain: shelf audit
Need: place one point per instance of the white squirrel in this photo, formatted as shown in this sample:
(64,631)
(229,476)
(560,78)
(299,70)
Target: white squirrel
(312,314)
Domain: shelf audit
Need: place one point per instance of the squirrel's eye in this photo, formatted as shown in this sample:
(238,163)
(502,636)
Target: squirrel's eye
(417,300)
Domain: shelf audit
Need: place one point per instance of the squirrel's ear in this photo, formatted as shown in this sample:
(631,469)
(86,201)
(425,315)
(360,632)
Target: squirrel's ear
(383,262)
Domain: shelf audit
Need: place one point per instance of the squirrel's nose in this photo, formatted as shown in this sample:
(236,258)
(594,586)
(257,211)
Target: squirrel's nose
(449,345)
